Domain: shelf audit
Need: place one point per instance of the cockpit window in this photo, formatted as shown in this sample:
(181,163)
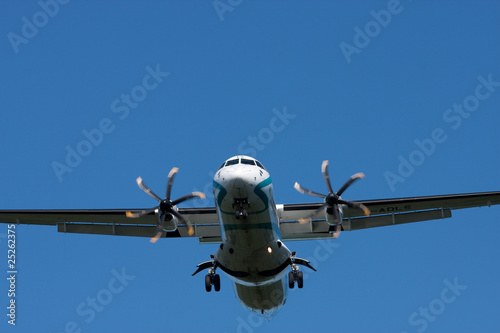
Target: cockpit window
(232,162)
(247,161)
(239,160)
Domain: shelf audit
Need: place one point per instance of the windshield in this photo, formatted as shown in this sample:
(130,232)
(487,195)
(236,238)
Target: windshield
(241,160)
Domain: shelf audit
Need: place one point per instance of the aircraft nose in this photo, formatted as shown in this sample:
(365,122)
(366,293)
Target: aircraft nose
(240,187)
(239,183)
(242,182)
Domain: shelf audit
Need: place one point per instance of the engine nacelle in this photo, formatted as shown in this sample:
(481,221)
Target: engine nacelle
(330,218)
(170,223)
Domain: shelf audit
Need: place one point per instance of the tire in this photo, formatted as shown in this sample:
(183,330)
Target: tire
(300,280)
(291,280)
(217,282)
(208,283)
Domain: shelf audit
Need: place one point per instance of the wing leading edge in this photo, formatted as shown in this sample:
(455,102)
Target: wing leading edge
(383,213)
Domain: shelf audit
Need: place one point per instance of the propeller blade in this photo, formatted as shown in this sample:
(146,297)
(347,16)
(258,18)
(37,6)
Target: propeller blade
(357,205)
(138,213)
(184,220)
(324,170)
(147,189)
(317,211)
(349,182)
(338,229)
(306,191)
(187,197)
(159,228)
(364,209)
(156,237)
(170,180)
(335,211)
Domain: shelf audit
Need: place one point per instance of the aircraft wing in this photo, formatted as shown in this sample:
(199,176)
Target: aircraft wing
(115,222)
(382,213)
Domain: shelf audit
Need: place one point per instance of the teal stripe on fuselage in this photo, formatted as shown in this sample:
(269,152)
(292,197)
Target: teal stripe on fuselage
(222,193)
(262,196)
(258,191)
(253,226)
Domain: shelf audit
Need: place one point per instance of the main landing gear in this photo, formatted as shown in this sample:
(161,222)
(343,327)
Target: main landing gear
(211,279)
(296,275)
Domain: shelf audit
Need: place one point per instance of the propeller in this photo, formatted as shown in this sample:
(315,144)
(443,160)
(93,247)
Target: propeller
(332,199)
(166,208)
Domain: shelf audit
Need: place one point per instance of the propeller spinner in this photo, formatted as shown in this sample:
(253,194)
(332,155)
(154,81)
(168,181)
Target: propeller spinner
(166,208)
(332,200)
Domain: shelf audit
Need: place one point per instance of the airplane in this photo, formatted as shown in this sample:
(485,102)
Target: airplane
(250,227)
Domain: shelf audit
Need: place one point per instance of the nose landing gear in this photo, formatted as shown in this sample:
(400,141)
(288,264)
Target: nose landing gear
(241,212)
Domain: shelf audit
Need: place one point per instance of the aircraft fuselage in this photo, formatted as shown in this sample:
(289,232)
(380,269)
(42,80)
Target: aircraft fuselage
(252,253)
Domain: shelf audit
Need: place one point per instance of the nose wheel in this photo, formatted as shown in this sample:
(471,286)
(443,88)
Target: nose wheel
(241,212)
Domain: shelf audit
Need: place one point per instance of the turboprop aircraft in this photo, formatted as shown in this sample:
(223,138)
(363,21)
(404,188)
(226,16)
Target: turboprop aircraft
(250,227)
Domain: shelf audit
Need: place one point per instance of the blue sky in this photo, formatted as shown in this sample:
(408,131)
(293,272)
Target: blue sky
(406,92)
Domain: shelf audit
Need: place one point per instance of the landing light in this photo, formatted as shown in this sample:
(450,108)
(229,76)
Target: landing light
(269,249)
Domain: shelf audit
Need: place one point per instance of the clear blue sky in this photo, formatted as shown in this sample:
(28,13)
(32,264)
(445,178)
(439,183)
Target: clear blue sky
(367,101)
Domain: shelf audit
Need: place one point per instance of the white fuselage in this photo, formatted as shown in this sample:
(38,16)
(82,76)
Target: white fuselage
(252,253)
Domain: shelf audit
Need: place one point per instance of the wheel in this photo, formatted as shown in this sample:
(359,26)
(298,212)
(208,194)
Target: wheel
(208,283)
(291,280)
(216,282)
(300,280)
